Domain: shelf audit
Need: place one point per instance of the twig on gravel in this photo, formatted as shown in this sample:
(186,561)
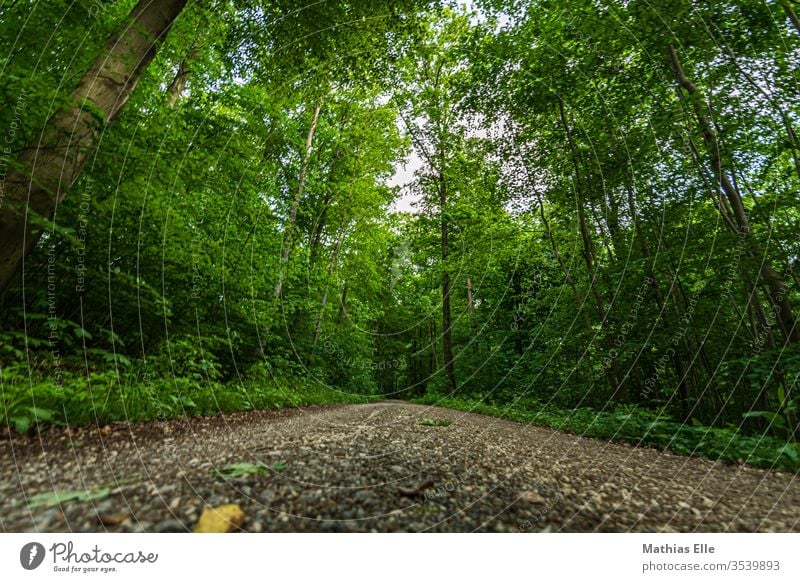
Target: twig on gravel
(415,491)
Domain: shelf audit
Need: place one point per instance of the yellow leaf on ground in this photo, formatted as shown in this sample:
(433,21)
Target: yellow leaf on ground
(221,519)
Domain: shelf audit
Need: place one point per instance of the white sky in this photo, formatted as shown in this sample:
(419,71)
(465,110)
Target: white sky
(403,177)
(404,171)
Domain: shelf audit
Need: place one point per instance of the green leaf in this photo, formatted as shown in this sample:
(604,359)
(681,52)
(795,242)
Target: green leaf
(790,450)
(21,423)
(773,418)
(41,413)
(435,422)
(58,497)
(242,469)
(80,332)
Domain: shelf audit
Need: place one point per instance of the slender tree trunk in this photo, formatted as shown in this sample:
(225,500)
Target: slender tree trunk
(681,370)
(473,323)
(778,292)
(319,229)
(331,268)
(47,168)
(612,220)
(794,145)
(567,275)
(288,234)
(447,335)
(178,85)
(598,220)
(615,377)
(518,319)
(434,351)
(787,8)
(342,317)
(759,320)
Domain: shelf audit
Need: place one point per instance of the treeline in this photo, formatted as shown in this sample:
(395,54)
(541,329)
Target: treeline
(606,217)
(207,233)
(625,231)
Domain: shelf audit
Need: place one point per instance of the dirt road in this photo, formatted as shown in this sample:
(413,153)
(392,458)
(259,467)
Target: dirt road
(376,467)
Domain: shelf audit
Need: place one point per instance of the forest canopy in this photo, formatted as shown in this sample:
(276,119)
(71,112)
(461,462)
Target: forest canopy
(582,214)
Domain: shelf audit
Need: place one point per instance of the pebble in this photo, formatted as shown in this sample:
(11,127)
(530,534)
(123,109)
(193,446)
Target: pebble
(365,496)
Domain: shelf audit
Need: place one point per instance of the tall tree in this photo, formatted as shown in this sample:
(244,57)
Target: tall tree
(46,169)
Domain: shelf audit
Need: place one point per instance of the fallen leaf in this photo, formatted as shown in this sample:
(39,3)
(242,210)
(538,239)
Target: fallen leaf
(242,469)
(221,519)
(435,422)
(113,519)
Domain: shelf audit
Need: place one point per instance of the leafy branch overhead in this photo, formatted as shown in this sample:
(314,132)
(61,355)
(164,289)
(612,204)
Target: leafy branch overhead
(582,212)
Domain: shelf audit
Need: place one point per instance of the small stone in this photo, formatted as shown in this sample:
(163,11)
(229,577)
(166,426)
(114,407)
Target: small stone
(531,497)
(106,506)
(45,520)
(365,496)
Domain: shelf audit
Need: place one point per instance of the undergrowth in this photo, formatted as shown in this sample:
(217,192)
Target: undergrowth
(31,401)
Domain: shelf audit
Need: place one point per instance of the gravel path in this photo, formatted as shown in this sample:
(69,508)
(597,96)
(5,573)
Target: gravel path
(377,467)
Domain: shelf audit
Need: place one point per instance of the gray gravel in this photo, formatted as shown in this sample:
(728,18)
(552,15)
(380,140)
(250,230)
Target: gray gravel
(375,468)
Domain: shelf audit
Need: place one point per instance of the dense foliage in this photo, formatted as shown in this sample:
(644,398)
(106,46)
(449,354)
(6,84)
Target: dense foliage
(596,229)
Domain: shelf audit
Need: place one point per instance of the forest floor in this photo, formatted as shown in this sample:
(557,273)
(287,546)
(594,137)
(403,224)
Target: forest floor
(375,467)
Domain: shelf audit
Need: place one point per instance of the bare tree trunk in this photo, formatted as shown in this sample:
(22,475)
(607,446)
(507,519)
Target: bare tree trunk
(434,352)
(51,165)
(775,283)
(301,184)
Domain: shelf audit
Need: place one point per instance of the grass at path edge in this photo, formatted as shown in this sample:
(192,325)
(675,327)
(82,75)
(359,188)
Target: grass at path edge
(641,427)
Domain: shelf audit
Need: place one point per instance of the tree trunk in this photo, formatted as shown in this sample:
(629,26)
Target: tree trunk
(301,184)
(615,378)
(52,164)
(775,283)
(178,86)
(787,8)
(473,323)
(447,335)
(681,370)
(331,269)
(567,276)
(342,317)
